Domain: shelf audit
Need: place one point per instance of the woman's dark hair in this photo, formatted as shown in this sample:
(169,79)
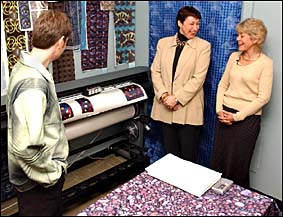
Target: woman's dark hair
(185,12)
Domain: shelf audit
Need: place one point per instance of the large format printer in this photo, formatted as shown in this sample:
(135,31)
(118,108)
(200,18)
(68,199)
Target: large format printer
(102,114)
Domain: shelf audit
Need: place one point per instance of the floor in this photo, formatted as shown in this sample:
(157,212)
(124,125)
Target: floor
(77,208)
(99,165)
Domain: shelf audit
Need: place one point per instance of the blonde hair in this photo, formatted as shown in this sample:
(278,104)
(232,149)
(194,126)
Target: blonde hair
(255,28)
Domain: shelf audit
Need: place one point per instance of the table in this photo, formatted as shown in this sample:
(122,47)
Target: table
(145,195)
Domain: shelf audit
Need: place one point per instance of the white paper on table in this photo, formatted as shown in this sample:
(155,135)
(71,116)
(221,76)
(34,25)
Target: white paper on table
(188,176)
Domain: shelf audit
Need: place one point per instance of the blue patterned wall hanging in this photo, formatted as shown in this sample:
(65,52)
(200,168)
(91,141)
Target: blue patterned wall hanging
(125,26)
(219,19)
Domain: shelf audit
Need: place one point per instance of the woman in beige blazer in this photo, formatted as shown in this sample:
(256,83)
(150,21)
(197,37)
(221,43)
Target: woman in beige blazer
(178,72)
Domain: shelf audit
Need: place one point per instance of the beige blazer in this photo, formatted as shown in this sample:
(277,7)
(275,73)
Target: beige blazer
(188,83)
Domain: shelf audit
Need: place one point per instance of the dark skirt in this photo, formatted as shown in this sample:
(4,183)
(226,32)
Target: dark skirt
(233,148)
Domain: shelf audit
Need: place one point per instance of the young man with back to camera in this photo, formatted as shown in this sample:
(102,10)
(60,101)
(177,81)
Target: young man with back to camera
(37,144)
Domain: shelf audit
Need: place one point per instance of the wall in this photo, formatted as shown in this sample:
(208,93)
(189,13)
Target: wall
(266,166)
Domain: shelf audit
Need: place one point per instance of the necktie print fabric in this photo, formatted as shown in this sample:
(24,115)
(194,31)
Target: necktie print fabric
(132,92)
(66,111)
(125,28)
(85,105)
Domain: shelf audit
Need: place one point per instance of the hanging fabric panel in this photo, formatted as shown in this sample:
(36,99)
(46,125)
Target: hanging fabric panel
(35,8)
(15,39)
(4,63)
(64,67)
(73,11)
(25,16)
(124,24)
(97,35)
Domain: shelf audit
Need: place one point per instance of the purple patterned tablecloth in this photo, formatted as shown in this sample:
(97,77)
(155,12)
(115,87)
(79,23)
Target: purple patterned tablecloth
(145,195)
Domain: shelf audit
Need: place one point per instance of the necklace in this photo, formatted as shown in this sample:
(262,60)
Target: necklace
(180,43)
(251,59)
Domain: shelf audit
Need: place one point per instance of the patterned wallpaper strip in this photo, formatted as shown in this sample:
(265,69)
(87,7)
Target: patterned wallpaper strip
(4,63)
(24,16)
(124,22)
(36,7)
(63,68)
(15,39)
(73,11)
(97,34)
(28,11)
